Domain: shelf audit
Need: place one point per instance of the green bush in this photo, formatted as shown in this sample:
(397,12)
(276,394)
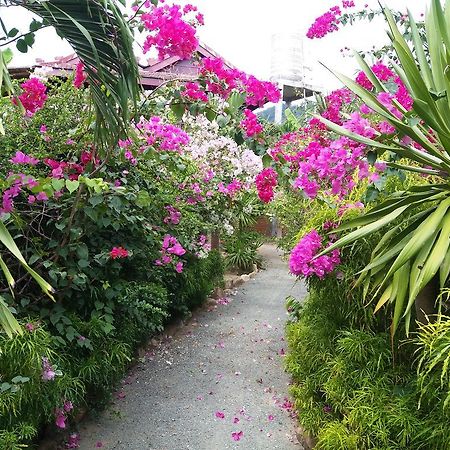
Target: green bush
(241,249)
(350,389)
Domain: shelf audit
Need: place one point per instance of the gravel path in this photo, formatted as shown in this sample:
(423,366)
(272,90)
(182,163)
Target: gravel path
(228,360)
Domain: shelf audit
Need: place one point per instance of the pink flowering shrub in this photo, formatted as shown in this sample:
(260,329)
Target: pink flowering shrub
(118,252)
(265,182)
(22,158)
(302,261)
(172,30)
(194,92)
(250,124)
(386,75)
(33,96)
(170,252)
(325,24)
(162,136)
(80,76)
(222,80)
(173,216)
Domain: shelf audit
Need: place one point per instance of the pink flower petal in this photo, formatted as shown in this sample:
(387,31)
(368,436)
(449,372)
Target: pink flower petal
(237,435)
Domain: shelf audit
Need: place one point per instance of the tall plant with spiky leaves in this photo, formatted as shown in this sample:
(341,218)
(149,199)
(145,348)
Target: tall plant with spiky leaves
(415,249)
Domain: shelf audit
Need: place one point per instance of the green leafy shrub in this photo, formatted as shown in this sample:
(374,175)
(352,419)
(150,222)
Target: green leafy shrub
(241,250)
(146,304)
(195,283)
(351,390)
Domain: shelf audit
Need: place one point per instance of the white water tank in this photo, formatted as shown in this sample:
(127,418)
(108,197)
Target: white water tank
(288,63)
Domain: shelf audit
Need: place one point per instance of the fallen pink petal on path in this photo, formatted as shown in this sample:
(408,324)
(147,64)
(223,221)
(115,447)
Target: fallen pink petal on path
(237,435)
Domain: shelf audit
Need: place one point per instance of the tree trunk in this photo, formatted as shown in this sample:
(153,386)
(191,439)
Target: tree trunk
(215,240)
(426,308)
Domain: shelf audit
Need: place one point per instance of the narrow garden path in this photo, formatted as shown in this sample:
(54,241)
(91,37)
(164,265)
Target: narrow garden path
(221,373)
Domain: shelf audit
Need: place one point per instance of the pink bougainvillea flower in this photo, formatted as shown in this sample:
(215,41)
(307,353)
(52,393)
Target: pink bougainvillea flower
(250,124)
(60,418)
(237,435)
(236,420)
(171,32)
(265,182)
(302,261)
(179,267)
(118,252)
(22,158)
(33,96)
(74,441)
(80,76)
(220,415)
(120,395)
(194,92)
(30,327)
(42,196)
(271,417)
(48,374)
(68,406)
(326,23)
(176,249)
(99,444)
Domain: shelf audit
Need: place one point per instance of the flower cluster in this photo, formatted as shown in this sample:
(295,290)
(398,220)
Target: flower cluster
(118,252)
(164,136)
(386,75)
(193,91)
(173,216)
(222,80)
(230,189)
(60,168)
(201,247)
(335,102)
(80,76)
(33,96)
(73,441)
(22,158)
(265,182)
(326,23)
(17,183)
(171,249)
(61,415)
(48,373)
(172,33)
(250,124)
(331,168)
(219,157)
(302,261)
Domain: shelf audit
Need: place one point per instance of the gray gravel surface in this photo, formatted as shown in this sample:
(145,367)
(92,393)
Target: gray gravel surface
(227,359)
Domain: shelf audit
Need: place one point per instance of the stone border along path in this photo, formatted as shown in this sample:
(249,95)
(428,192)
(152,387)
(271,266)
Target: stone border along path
(217,384)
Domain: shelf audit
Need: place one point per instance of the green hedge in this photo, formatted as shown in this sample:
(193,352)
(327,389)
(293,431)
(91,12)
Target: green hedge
(351,390)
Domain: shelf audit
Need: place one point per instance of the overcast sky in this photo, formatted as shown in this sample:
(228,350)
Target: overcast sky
(241,31)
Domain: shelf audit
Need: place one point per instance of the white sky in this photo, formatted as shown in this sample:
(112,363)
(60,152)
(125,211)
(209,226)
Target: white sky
(241,31)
